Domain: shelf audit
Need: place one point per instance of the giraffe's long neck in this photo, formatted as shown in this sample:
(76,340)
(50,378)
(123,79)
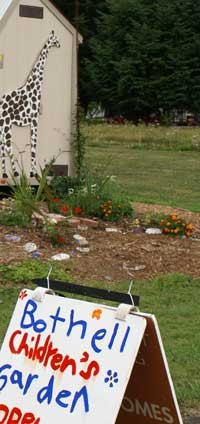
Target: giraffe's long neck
(37,72)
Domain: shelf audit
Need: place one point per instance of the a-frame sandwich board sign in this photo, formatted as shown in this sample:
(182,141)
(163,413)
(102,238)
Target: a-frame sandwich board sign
(150,397)
(66,360)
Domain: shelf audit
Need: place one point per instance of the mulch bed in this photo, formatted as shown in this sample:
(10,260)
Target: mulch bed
(115,256)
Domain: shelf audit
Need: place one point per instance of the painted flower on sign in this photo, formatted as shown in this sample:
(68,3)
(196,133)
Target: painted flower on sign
(112,378)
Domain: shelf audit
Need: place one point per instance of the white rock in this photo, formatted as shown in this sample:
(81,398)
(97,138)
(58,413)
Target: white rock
(83,249)
(78,237)
(61,257)
(30,247)
(139,267)
(153,231)
(83,242)
(111,230)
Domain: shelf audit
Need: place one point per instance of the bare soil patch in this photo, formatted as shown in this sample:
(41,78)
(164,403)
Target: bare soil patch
(115,256)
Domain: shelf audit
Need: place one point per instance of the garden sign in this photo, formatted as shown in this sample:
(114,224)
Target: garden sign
(66,360)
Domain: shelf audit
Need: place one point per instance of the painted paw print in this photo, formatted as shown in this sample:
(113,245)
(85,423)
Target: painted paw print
(23,294)
(112,378)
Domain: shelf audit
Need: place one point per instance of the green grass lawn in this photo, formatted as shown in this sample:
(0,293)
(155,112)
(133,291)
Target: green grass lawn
(148,168)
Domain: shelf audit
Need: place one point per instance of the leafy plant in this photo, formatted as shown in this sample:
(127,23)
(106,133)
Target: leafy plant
(174,225)
(99,196)
(26,199)
(12,218)
(56,233)
(62,186)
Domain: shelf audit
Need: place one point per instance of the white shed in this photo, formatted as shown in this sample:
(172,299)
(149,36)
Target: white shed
(38,93)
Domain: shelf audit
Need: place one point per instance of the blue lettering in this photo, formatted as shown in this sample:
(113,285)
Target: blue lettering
(29,381)
(16,378)
(46,392)
(62,394)
(56,318)
(28,319)
(99,335)
(4,378)
(82,392)
(125,339)
(74,323)
(110,345)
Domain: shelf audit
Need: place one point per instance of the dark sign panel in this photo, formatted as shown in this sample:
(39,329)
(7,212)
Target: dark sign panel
(31,11)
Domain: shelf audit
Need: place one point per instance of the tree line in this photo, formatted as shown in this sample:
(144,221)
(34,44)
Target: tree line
(138,56)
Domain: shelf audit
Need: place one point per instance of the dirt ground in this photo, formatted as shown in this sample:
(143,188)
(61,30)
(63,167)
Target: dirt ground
(118,256)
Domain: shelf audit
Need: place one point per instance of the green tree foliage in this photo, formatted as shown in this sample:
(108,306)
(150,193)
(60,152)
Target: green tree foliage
(139,55)
(83,15)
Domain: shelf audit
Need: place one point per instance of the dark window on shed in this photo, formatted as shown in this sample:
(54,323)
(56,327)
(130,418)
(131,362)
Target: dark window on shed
(34,12)
(59,170)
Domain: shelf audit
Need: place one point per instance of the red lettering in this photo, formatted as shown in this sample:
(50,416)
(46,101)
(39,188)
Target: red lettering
(92,369)
(5,410)
(22,345)
(49,353)
(16,416)
(67,361)
(28,418)
(56,360)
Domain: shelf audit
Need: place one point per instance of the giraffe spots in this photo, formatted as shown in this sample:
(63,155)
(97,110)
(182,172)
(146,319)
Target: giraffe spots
(21,107)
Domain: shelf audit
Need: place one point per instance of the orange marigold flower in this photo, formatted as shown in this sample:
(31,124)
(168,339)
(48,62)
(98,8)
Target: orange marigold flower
(190,227)
(173,217)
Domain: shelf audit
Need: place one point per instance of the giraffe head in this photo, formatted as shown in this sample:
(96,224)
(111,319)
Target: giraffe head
(53,40)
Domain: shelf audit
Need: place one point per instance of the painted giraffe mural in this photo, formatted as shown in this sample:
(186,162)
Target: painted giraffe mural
(21,107)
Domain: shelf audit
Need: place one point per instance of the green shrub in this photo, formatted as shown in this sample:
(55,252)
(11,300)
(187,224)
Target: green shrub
(61,186)
(99,196)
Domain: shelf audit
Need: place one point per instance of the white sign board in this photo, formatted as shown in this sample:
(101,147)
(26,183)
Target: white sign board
(65,360)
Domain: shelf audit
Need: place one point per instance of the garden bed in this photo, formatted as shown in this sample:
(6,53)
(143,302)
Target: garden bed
(129,253)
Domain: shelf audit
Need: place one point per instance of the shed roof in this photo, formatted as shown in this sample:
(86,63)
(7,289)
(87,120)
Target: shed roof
(5,4)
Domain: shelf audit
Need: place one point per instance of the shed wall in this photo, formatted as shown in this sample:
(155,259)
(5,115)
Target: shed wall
(21,40)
